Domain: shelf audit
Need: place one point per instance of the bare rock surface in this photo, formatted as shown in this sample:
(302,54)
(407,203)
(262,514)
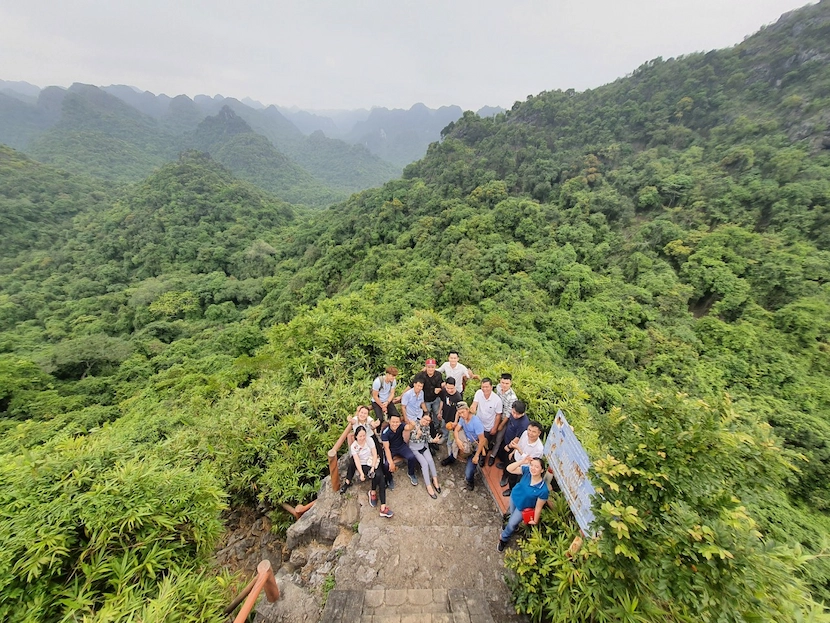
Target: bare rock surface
(443,544)
(430,547)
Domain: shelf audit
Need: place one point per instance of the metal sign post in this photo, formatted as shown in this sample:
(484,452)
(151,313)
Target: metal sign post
(569,463)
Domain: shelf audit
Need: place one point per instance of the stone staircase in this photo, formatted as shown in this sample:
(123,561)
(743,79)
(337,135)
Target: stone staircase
(406,606)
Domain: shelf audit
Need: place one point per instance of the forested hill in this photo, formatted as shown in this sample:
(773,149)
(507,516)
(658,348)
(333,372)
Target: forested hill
(650,256)
(118,134)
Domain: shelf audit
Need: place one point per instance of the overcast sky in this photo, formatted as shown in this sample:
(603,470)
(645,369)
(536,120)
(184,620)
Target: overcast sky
(355,54)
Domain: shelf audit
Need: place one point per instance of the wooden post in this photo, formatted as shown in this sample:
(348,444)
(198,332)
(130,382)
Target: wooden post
(297,511)
(264,580)
(272,591)
(334,470)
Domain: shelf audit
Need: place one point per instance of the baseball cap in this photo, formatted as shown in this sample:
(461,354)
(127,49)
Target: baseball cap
(430,362)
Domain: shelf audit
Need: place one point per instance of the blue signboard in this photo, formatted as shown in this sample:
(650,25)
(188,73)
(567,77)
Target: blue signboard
(569,463)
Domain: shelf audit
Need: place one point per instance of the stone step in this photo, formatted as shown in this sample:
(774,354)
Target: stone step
(406,606)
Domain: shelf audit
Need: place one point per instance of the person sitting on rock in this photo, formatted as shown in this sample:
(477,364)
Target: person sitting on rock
(366,462)
(412,403)
(383,394)
(469,437)
(395,438)
(362,418)
(529,444)
(419,440)
(530,492)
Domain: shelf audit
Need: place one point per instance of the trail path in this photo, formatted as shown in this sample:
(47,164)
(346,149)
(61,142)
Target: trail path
(443,544)
(434,561)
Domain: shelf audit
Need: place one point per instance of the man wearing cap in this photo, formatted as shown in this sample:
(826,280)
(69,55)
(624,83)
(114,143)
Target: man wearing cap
(432,381)
(469,436)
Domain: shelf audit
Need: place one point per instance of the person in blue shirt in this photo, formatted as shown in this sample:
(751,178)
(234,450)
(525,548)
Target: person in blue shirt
(530,492)
(469,437)
(412,403)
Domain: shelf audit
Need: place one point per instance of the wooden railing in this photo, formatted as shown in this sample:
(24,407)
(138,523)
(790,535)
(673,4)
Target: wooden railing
(334,472)
(264,580)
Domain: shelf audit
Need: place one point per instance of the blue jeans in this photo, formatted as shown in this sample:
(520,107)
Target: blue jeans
(470,471)
(406,452)
(513,522)
(433,407)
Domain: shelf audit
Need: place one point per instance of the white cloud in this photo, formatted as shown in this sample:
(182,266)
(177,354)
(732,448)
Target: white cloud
(339,54)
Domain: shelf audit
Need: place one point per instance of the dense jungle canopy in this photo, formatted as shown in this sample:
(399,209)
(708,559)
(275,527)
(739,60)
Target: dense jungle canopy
(651,256)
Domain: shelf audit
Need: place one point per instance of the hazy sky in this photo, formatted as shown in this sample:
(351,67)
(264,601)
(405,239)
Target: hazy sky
(350,54)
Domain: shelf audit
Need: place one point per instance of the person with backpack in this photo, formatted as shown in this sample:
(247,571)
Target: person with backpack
(383,394)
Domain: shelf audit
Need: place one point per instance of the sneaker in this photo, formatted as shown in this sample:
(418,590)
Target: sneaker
(448,461)
(413,479)
(501,545)
(386,513)
(373,499)
(391,484)
(469,485)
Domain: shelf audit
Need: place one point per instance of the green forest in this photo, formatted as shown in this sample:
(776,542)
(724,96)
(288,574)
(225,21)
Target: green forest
(651,256)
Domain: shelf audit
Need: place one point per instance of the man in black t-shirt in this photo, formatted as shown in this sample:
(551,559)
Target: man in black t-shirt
(432,381)
(450,397)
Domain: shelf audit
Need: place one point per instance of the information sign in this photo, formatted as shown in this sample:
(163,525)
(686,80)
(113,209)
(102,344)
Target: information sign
(569,463)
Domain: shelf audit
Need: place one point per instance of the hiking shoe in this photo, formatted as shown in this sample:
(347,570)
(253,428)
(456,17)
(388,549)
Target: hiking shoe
(413,479)
(386,513)
(469,485)
(373,499)
(501,545)
(391,484)
(448,461)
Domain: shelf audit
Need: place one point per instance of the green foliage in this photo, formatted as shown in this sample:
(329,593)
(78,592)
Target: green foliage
(650,256)
(674,543)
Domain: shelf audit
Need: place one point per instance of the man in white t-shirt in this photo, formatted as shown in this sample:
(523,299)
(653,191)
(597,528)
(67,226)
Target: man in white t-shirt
(529,444)
(488,407)
(456,370)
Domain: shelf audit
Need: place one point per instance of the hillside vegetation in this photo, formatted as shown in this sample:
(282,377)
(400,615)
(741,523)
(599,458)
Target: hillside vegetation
(652,257)
(121,135)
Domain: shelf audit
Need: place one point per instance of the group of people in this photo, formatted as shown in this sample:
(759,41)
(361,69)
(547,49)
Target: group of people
(433,413)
